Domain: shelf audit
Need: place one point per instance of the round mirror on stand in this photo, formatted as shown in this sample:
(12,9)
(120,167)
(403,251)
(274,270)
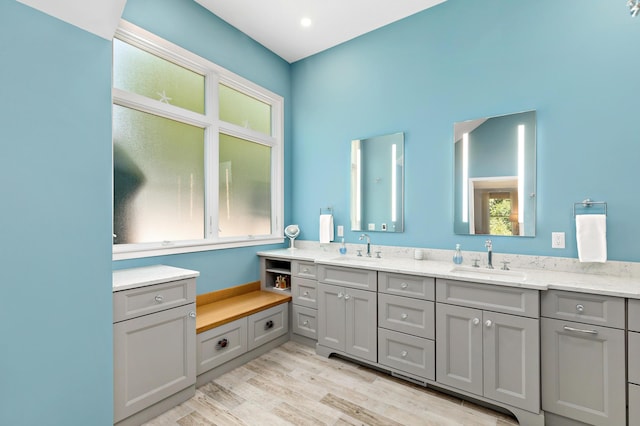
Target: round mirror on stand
(291,232)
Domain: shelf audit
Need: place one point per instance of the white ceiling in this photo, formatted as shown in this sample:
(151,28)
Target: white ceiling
(276,23)
(273,23)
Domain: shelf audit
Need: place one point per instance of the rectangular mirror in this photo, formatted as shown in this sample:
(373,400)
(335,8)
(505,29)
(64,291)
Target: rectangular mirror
(377,183)
(495,175)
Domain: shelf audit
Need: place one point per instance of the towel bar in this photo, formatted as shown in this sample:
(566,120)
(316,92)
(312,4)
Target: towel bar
(586,203)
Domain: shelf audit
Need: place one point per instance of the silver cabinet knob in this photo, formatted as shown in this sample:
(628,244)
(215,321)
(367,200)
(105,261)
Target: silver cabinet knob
(404,285)
(347,297)
(404,354)
(580,308)
(192,314)
(475,321)
(488,323)
(306,322)
(404,316)
(305,270)
(306,293)
(340,295)
(159,298)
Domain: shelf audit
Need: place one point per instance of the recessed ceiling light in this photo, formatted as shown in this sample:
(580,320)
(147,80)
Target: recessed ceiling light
(305,22)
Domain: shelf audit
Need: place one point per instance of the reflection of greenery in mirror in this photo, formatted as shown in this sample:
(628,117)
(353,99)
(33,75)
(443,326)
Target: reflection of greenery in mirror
(495,175)
(377,183)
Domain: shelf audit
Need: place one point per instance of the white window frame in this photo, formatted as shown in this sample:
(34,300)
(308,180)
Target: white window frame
(214,75)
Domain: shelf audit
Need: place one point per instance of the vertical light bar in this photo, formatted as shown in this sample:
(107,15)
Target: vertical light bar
(359,185)
(465,177)
(521,174)
(394,179)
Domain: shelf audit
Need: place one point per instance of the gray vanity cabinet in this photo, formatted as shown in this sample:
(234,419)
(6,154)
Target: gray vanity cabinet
(347,315)
(154,346)
(633,355)
(484,352)
(304,289)
(583,358)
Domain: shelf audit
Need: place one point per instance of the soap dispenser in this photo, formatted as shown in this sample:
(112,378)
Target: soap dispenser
(457,256)
(343,248)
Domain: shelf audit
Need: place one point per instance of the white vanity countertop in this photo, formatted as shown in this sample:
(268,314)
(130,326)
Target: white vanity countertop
(525,278)
(124,279)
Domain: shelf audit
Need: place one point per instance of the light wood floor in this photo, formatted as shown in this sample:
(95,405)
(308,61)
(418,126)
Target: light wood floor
(292,385)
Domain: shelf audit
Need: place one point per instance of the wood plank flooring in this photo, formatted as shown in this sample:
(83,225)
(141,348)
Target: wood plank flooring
(291,385)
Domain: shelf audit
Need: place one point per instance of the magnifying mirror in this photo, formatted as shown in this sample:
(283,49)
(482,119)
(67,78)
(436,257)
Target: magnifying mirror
(291,232)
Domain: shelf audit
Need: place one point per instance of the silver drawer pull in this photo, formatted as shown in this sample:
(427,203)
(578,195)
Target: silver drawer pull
(340,295)
(476,321)
(579,330)
(580,308)
(404,354)
(192,314)
(306,293)
(347,297)
(306,322)
(404,316)
(159,298)
(305,270)
(404,285)
(488,323)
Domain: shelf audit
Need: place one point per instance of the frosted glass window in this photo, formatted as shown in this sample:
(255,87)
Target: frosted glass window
(245,187)
(158,178)
(138,71)
(244,110)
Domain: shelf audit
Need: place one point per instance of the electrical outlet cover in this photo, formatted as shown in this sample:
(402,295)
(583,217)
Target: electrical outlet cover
(557,240)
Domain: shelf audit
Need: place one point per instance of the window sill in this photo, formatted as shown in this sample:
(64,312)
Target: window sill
(140,251)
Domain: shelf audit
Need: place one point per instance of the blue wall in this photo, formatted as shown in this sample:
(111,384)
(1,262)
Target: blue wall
(459,60)
(55,167)
(192,27)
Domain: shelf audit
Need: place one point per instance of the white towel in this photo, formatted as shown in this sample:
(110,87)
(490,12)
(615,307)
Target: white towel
(591,235)
(326,228)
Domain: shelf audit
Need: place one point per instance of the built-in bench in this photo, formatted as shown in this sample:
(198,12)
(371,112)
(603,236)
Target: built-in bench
(237,324)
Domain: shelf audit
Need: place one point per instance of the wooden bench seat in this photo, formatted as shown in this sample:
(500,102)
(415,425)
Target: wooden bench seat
(223,306)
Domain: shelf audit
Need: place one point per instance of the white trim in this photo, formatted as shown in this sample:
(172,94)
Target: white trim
(214,75)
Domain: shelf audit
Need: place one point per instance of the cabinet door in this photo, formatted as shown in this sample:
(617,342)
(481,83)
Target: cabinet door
(459,347)
(331,316)
(153,358)
(361,337)
(583,373)
(511,348)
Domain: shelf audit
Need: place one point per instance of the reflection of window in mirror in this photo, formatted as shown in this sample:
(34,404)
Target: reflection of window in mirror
(500,214)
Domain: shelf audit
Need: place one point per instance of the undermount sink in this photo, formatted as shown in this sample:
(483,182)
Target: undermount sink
(354,258)
(489,273)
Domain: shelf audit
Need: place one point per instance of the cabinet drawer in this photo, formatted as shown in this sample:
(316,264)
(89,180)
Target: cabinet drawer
(304,292)
(633,355)
(305,322)
(303,269)
(221,344)
(154,298)
(510,300)
(634,314)
(411,316)
(634,404)
(268,324)
(407,285)
(406,353)
(348,277)
(594,309)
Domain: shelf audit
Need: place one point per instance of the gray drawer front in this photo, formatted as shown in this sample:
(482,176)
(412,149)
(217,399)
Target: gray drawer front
(146,300)
(406,353)
(268,324)
(411,316)
(304,292)
(633,356)
(304,269)
(634,314)
(407,285)
(634,405)
(509,300)
(305,321)
(348,277)
(593,309)
(221,344)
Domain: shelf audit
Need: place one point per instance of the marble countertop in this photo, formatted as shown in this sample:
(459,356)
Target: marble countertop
(125,279)
(517,277)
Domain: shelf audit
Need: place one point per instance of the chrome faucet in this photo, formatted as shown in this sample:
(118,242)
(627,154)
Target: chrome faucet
(363,236)
(489,245)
